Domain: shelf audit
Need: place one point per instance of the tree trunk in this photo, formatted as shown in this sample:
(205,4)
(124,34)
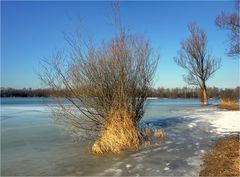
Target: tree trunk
(204,95)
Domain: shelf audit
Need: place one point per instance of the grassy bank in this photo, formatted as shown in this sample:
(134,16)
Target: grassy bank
(223,159)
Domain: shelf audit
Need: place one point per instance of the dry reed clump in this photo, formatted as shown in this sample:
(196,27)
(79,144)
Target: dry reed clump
(151,137)
(118,133)
(149,133)
(228,104)
(158,133)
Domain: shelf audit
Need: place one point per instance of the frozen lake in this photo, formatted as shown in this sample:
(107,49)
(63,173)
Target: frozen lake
(31,143)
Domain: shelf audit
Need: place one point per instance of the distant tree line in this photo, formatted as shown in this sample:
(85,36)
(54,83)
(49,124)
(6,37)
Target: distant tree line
(161,92)
(25,92)
(193,92)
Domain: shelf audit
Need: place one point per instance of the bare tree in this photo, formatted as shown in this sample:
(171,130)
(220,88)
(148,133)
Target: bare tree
(194,58)
(231,22)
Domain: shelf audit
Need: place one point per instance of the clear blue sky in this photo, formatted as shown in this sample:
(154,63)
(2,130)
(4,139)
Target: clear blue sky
(31,31)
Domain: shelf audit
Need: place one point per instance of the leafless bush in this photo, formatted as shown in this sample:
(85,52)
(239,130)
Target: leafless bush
(117,75)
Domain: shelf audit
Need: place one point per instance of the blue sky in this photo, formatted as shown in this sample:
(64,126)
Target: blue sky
(31,31)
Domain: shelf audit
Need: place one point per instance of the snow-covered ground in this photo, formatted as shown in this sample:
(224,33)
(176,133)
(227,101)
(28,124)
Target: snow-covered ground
(225,121)
(222,121)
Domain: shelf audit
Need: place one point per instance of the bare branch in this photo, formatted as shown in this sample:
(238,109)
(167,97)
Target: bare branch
(231,22)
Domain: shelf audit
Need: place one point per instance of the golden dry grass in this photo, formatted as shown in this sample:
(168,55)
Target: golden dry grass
(118,133)
(150,135)
(228,104)
(147,133)
(158,133)
(223,159)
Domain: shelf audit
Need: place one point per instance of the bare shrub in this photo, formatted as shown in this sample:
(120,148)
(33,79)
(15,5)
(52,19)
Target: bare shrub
(105,86)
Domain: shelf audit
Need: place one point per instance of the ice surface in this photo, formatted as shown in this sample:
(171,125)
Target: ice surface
(33,145)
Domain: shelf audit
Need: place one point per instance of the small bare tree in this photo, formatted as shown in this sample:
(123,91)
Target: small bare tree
(231,22)
(194,58)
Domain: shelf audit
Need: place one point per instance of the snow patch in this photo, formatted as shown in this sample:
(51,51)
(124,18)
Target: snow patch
(166,168)
(222,121)
(128,166)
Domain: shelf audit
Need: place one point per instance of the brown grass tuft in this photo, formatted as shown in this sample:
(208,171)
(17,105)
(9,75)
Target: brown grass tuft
(223,159)
(118,133)
(229,105)
(150,134)
(146,144)
(147,133)
(158,133)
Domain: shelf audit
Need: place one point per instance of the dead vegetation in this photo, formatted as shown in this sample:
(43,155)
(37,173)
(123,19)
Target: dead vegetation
(228,104)
(120,133)
(223,159)
(152,135)
(158,133)
(117,134)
